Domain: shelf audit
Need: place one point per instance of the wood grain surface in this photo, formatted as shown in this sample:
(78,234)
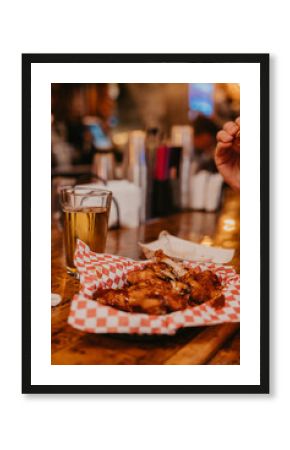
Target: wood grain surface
(205,345)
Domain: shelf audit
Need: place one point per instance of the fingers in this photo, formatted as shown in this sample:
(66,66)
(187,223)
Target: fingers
(231,128)
(223,136)
(229,131)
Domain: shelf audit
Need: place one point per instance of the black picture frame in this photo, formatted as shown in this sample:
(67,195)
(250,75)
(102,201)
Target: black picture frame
(27,61)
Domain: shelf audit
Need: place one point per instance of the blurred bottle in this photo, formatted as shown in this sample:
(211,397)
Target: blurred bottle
(162,203)
(103,165)
(137,167)
(174,176)
(152,142)
(182,136)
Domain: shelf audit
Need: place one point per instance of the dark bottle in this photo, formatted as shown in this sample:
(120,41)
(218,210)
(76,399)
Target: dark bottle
(153,140)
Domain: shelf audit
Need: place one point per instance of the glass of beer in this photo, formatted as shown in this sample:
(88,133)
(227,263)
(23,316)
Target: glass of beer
(86,213)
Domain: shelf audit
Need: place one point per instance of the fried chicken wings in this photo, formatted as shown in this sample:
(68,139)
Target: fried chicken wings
(164,286)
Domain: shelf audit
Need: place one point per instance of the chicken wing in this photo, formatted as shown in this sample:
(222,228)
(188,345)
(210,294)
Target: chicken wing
(164,286)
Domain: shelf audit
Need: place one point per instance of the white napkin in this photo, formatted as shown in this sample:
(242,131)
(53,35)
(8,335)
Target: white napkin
(182,249)
(198,187)
(205,190)
(213,192)
(128,197)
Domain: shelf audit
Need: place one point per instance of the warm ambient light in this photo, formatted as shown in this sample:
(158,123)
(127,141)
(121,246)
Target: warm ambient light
(229,224)
(207,240)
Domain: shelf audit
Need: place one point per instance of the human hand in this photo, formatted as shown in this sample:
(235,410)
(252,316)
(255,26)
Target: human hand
(227,153)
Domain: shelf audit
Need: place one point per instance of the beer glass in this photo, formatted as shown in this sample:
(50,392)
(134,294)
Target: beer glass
(85,214)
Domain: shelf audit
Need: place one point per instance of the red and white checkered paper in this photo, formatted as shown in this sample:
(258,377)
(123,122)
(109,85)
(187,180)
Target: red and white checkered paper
(100,271)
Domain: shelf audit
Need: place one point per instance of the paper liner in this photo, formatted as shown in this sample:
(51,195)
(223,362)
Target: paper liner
(109,271)
(182,249)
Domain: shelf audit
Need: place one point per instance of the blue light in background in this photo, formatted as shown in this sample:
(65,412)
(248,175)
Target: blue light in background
(100,139)
(201,98)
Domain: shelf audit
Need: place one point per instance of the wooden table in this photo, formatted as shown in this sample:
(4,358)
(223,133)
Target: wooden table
(217,344)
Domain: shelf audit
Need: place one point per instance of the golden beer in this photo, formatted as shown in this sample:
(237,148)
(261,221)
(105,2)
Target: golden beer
(90,225)
(87,223)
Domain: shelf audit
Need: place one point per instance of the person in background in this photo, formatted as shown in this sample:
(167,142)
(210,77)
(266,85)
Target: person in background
(227,153)
(70,103)
(205,131)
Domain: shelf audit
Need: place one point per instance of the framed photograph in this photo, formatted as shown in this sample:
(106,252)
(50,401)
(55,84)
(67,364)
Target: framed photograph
(145,231)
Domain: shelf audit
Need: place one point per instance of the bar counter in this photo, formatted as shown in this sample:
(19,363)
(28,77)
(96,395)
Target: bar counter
(218,344)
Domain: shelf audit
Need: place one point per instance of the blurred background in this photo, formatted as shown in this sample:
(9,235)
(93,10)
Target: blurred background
(152,145)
